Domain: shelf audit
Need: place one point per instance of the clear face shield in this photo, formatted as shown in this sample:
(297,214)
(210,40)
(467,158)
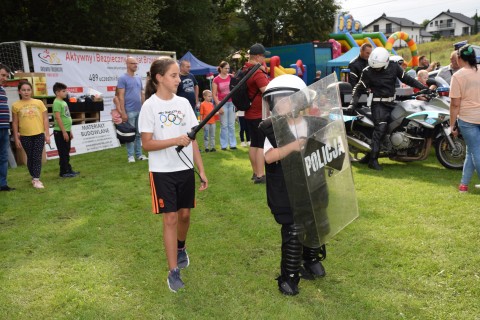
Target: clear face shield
(287,102)
(277,97)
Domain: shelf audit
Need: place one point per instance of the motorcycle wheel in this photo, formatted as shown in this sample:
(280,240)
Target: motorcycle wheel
(449,158)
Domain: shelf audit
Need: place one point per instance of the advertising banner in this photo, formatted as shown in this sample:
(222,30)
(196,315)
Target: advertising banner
(85,72)
(88,137)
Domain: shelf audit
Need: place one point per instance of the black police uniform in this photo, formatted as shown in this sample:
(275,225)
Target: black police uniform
(279,202)
(382,85)
(356,66)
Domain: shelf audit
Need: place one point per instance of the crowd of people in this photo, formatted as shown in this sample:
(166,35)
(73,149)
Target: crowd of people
(171,92)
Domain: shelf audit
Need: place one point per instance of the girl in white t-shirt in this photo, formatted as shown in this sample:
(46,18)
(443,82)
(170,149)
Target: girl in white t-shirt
(164,122)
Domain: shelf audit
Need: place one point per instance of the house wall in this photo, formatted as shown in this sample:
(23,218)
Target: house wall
(413,32)
(448,26)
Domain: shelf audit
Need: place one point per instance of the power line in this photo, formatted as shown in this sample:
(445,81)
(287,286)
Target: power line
(371,5)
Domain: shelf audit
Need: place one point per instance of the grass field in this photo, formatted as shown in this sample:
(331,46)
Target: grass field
(89,248)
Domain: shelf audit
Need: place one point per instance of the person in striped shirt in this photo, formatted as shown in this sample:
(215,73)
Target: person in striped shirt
(4,130)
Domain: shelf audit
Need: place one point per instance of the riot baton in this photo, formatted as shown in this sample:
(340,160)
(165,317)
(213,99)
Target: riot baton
(192,134)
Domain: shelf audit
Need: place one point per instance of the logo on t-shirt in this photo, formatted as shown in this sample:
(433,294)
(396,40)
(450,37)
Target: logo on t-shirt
(188,85)
(169,118)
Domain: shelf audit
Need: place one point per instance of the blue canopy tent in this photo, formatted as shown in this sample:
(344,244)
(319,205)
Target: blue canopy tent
(198,68)
(343,60)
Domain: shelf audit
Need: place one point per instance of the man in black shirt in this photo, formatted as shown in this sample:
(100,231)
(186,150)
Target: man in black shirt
(358,64)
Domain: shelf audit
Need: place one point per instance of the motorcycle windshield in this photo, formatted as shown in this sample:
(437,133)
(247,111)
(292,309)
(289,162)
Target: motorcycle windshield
(311,139)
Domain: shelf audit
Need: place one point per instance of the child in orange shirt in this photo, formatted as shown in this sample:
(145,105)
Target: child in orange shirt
(209,129)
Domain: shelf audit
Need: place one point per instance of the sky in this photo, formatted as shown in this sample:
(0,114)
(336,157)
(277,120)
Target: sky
(413,10)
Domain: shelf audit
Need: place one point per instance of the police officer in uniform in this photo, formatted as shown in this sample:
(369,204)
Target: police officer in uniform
(380,77)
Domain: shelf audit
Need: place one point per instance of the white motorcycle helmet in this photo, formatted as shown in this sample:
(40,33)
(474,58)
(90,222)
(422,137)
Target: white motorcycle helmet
(379,58)
(281,87)
(397,59)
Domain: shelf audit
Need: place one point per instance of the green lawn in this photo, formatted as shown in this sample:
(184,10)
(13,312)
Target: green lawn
(89,248)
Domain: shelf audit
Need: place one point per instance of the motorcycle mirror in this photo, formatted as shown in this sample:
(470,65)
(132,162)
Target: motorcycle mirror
(441,82)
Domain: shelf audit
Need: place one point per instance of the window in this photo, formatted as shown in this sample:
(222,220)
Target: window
(431,24)
(376,28)
(389,28)
(436,23)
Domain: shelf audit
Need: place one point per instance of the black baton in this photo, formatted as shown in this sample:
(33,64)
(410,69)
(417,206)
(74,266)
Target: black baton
(192,134)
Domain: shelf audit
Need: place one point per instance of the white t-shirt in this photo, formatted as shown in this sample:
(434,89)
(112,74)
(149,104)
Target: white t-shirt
(167,119)
(298,130)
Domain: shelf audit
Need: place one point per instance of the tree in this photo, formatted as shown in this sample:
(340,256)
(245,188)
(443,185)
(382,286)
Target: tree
(107,23)
(425,23)
(202,26)
(288,21)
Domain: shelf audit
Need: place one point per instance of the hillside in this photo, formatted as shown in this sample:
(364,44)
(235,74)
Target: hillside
(438,50)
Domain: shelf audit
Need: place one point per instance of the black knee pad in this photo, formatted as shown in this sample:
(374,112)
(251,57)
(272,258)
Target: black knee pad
(382,127)
(319,253)
(291,249)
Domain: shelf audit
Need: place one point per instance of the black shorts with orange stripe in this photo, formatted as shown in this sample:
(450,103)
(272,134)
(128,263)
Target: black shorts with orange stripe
(172,191)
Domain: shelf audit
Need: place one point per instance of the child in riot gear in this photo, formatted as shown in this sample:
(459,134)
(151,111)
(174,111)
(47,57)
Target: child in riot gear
(289,202)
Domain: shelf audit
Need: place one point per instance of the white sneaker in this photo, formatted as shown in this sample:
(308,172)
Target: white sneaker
(243,144)
(248,142)
(142,157)
(37,184)
(131,159)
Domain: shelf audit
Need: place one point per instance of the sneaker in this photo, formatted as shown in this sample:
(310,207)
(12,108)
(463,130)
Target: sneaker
(258,180)
(288,285)
(233,148)
(207,150)
(243,144)
(182,258)
(174,280)
(248,143)
(68,175)
(142,157)
(213,150)
(75,172)
(312,270)
(224,149)
(462,188)
(131,159)
(37,184)
(254,176)
(6,188)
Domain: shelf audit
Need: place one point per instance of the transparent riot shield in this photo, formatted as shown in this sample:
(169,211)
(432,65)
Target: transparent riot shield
(311,139)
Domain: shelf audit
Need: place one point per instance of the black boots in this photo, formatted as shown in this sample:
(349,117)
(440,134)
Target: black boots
(288,284)
(312,267)
(373,162)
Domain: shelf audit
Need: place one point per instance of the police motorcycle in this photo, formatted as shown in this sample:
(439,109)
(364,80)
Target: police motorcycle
(415,126)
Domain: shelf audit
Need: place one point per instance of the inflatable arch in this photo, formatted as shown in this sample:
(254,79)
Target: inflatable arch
(400,35)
